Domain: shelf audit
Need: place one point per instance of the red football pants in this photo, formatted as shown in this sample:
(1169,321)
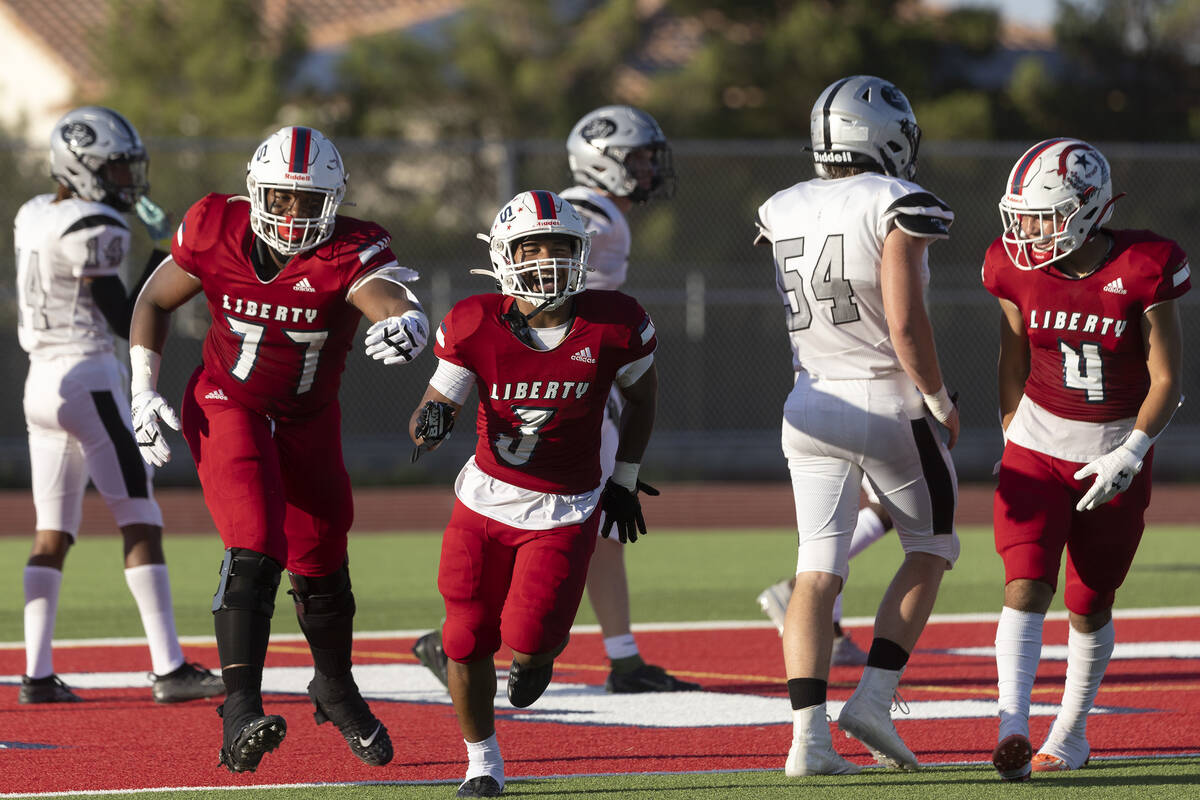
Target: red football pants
(501,583)
(284,493)
(1034,519)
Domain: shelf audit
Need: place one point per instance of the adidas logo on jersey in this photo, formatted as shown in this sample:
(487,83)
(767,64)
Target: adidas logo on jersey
(584,355)
(1115,286)
(216,394)
(303,286)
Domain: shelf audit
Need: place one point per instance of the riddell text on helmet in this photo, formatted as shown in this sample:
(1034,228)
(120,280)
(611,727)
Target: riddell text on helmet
(832,158)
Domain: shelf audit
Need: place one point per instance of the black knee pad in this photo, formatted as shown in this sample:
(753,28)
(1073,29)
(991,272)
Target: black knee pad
(325,610)
(324,597)
(249,581)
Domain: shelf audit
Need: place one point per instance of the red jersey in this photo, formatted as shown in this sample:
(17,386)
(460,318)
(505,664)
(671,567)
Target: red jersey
(1088,361)
(540,410)
(277,347)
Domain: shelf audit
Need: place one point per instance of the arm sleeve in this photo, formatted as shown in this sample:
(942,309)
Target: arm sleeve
(453,381)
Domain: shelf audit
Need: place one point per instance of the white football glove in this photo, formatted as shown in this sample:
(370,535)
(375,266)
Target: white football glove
(147,408)
(398,340)
(1114,471)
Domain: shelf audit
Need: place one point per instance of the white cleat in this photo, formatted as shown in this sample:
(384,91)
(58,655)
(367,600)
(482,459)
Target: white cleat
(846,653)
(774,600)
(1060,755)
(866,717)
(812,759)
(812,750)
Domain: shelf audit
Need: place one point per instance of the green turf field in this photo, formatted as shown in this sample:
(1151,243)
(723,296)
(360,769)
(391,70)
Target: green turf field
(675,576)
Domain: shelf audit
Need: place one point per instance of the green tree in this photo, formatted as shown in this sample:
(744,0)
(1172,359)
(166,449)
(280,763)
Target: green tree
(196,67)
(524,69)
(1131,72)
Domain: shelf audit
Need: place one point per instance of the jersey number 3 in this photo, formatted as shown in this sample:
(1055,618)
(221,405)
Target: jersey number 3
(518,449)
(827,281)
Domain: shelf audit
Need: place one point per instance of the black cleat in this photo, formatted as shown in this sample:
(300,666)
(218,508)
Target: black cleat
(647,678)
(49,689)
(253,736)
(482,786)
(338,701)
(428,650)
(188,682)
(526,684)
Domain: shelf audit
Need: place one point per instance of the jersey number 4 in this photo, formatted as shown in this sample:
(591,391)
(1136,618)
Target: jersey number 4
(1083,369)
(251,335)
(826,280)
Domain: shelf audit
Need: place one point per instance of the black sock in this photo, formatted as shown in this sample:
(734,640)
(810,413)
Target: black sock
(886,654)
(837,630)
(806,692)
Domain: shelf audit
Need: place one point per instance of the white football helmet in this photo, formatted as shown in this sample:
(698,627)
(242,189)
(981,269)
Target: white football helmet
(532,214)
(1057,196)
(98,155)
(599,146)
(295,159)
(864,121)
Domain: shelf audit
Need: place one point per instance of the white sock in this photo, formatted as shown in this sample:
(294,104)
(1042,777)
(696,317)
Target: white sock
(150,586)
(42,585)
(622,646)
(1018,651)
(483,758)
(1087,659)
(868,531)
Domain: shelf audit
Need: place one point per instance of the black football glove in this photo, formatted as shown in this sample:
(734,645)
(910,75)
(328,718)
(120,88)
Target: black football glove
(433,425)
(621,506)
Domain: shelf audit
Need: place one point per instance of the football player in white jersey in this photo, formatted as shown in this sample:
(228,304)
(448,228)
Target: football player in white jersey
(619,156)
(851,267)
(69,249)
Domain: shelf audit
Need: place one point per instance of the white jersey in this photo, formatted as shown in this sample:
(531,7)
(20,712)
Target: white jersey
(610,236)
(827,237)
(59,246)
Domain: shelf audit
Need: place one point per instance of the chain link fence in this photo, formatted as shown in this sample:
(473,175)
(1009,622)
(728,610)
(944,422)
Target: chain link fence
(723,360)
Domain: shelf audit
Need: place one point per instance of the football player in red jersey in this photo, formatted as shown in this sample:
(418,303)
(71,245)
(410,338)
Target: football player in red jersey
(287,280)
(1089,376)
(543,355)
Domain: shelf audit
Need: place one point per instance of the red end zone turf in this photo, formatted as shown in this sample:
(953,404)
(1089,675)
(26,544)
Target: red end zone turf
(120,739)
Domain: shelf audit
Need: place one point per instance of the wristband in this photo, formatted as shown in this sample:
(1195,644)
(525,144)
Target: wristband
(939,404)
(143,368)
(1138,443)
(625,474)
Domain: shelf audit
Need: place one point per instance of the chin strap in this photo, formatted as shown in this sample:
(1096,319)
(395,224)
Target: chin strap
(518,323)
